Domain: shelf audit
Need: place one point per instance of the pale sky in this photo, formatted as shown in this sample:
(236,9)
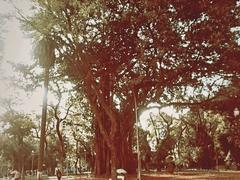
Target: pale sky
(16,48)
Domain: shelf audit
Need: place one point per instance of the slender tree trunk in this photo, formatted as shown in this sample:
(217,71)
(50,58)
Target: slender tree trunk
(22,157)
(43,125)
(61,142)
(113,163)
(23,172)
(77,159)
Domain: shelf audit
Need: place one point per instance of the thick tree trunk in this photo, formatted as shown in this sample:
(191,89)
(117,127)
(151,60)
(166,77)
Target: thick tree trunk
(112,130)
(99,163)
(102,155)
(122,145)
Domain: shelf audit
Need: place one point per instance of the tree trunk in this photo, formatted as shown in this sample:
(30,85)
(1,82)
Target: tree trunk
(23,172)
(77,159)
(113,163)
(43,125)
(61,142)
(112,130)
(102,155)
(122,145)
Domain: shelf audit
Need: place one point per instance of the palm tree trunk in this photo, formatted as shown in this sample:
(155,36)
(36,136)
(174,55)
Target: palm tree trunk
(43,125)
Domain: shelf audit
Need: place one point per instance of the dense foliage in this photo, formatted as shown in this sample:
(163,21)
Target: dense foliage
(159,51)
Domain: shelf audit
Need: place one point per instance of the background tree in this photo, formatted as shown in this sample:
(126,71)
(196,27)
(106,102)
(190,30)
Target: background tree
(81,128)
(225,102)
(56,113)
(201,134)
(17,141)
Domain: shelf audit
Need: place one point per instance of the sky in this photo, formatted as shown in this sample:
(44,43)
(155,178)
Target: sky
(16,47)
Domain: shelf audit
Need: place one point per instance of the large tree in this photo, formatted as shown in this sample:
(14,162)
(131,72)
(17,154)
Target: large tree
(115,50)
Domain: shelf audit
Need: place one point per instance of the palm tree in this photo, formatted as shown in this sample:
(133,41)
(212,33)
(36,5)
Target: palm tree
(44,53)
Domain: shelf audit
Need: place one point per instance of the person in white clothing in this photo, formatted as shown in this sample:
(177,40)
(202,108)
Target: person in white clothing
(16,175)
(58,173)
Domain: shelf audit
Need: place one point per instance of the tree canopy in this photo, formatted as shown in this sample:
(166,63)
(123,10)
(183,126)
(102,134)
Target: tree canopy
(177,52)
